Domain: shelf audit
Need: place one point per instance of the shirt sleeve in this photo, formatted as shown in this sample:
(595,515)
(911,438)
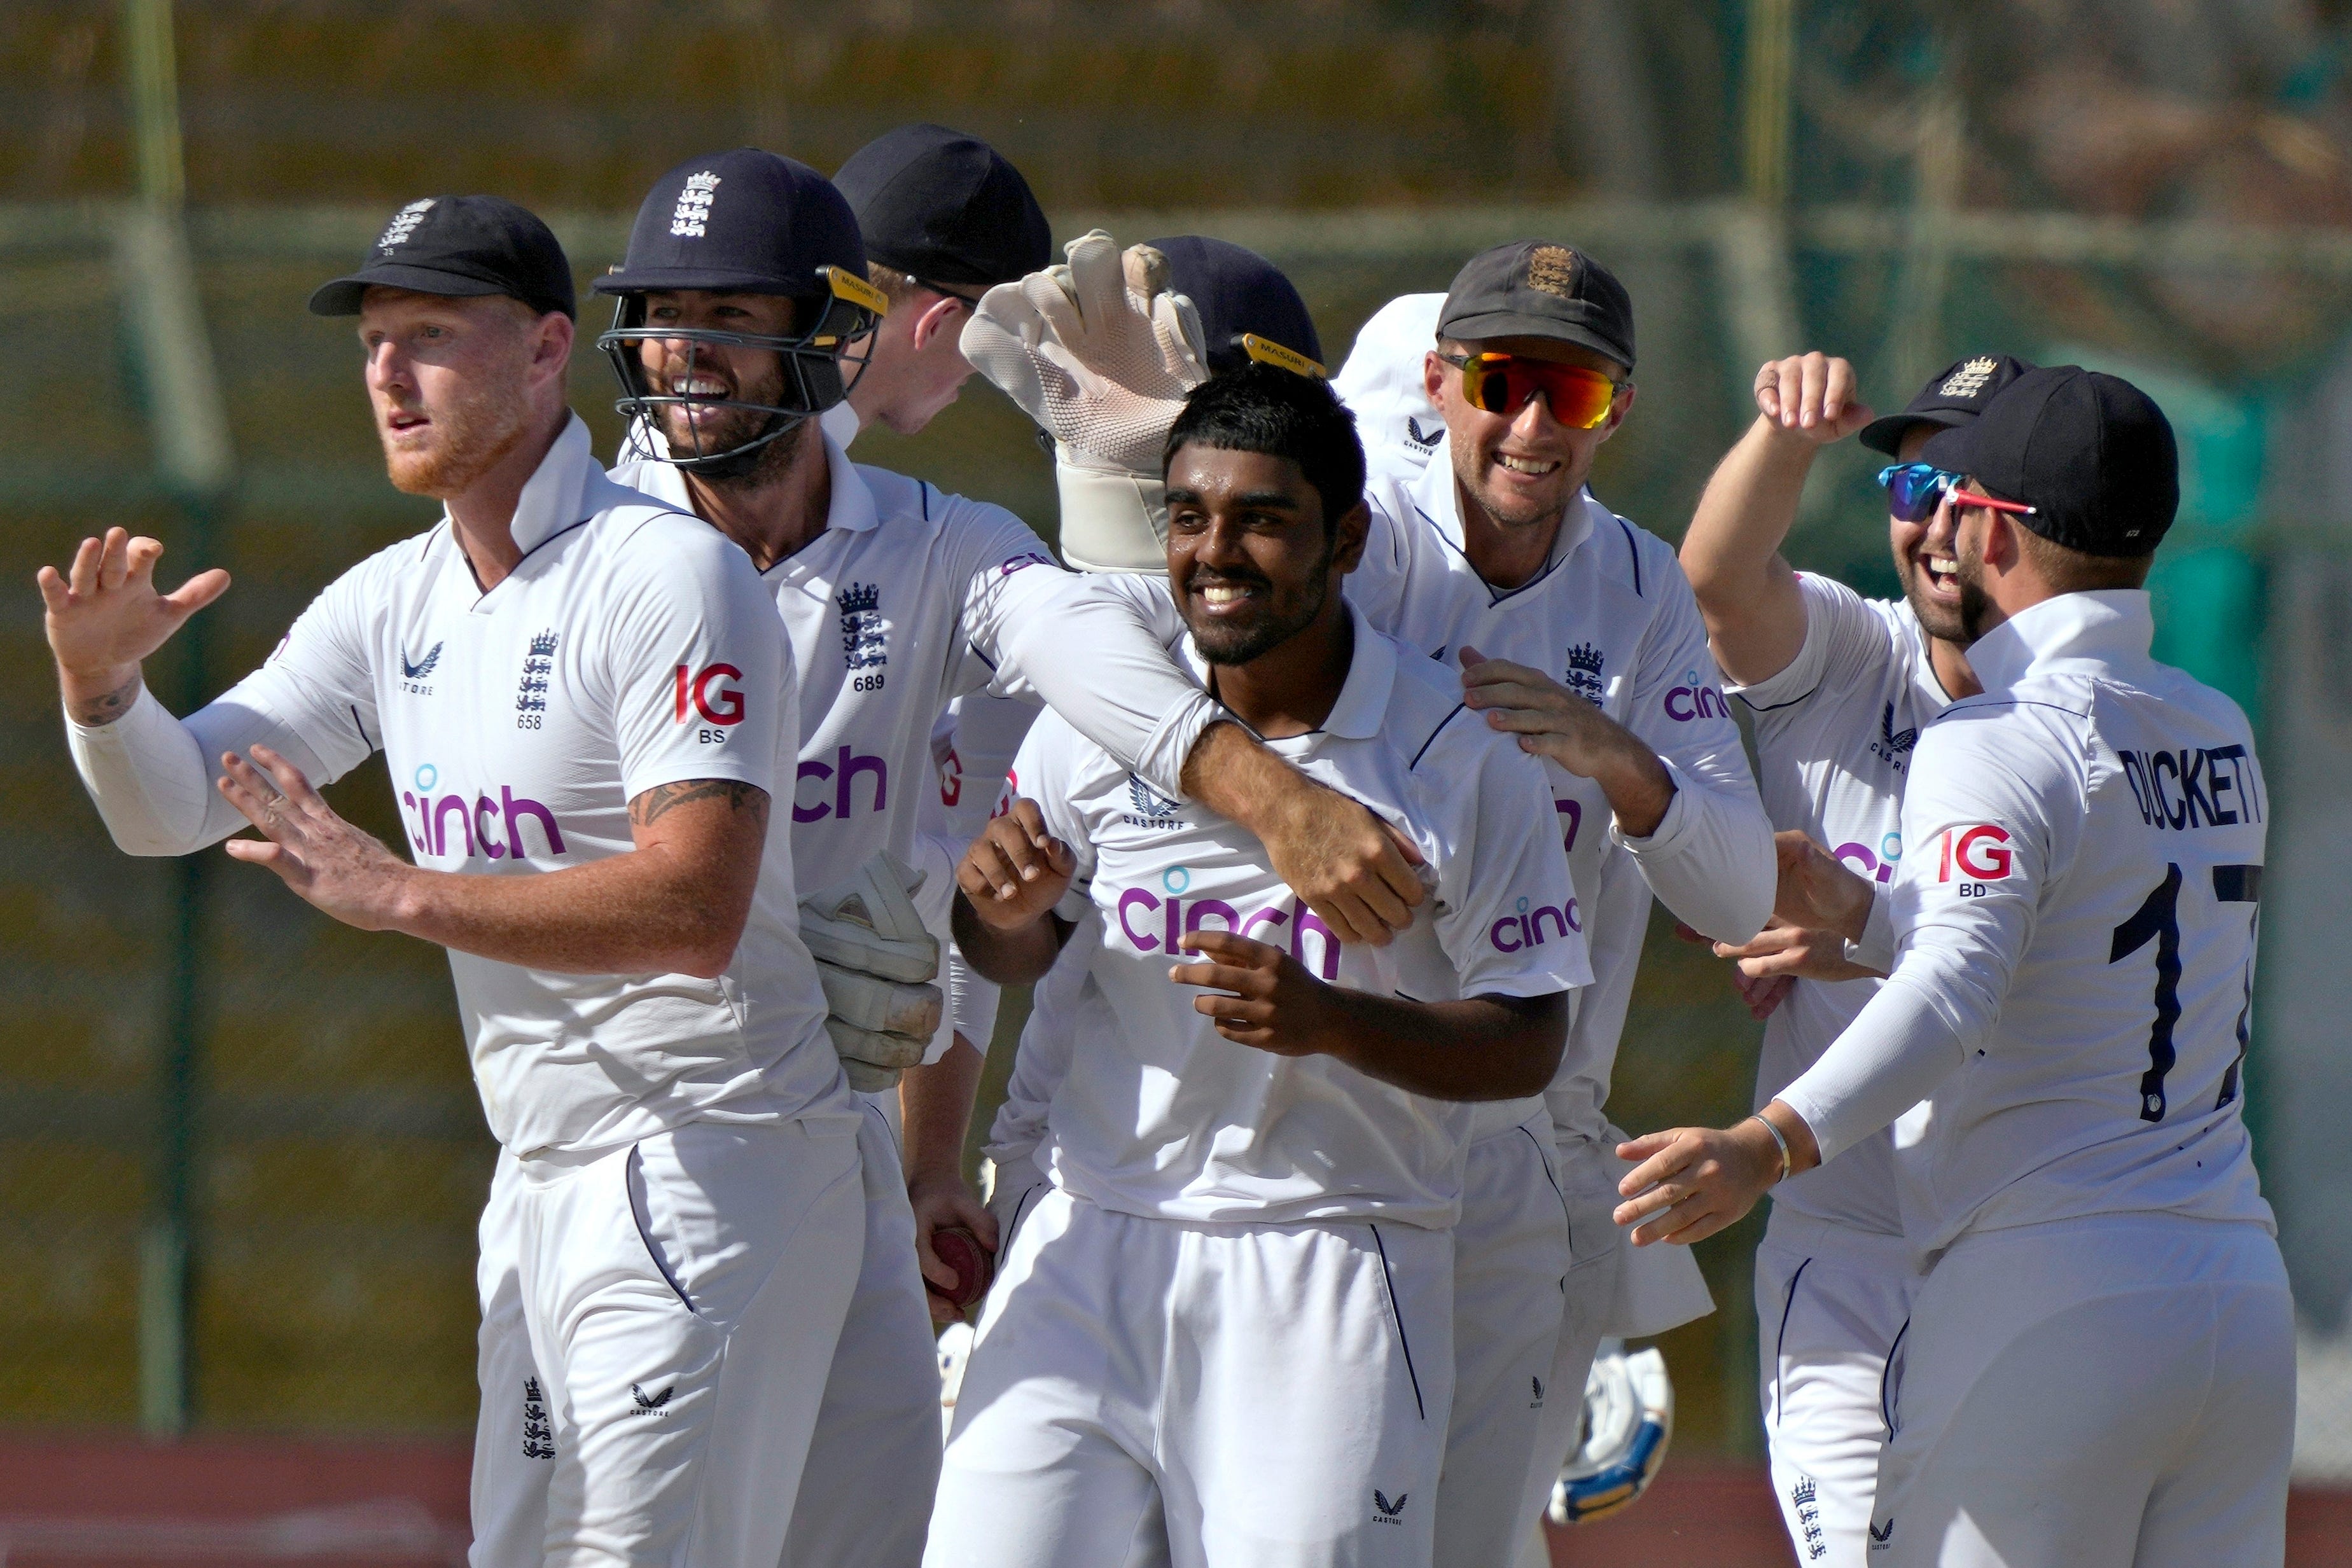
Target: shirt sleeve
(698,674)
(313,702)
(1845,644)
(1710,859)
(1994,804)
(1089,655)
(1510,922)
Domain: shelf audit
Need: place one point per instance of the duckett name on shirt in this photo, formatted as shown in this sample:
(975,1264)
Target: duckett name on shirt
(487,826)
(2192,787)
(843,771)
(1179,915)
(1517,932)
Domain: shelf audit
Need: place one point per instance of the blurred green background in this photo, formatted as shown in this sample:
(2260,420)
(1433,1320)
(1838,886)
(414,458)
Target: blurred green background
(284,1102)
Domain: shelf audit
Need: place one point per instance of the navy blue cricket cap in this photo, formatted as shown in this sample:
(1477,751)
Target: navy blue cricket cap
(1953,395)
(459,246)
(1240,295)
(2091,453)
(945,207)
(744,222)
(1535,288)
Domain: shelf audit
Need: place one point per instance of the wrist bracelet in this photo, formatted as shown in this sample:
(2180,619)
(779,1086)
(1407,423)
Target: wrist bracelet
(1778,1139)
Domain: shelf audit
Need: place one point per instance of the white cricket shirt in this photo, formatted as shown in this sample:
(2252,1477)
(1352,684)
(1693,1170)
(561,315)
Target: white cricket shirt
(1163,1116)
(911,596)
(1834,734)
(1613,618)
(2076,910)
(631,647)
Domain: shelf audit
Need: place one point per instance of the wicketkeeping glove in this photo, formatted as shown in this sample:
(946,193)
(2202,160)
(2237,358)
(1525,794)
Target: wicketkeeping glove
(1629,1414)
(876,962)
(1100,354)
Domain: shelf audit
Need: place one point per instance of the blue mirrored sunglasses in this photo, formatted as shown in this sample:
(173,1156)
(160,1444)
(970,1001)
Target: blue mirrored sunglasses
(1914,490)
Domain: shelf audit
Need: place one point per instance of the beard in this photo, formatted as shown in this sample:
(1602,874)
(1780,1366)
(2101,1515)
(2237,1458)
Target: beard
(469,437)
(1936,618)
(1979,615)
(729,433)
(1224,644)
(1507,510)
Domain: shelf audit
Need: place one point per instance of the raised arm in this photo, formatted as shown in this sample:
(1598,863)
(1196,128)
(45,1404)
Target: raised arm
(1006,888)
(149,773)
(1746,589)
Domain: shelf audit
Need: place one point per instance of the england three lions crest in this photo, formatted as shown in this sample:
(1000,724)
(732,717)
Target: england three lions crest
(1584,676)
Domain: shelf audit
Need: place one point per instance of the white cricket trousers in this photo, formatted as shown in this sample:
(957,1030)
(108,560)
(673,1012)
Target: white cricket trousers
(1510,1276)
(683,1297)
(874,1463)
(1149,1390)
(1830,1303)
(874,1459)
(2115,1392)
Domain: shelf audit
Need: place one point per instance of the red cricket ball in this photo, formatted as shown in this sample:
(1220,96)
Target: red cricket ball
(960,1249)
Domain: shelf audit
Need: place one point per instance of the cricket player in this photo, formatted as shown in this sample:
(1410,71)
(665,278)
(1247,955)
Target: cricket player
(1223,1337)
(1502,550)
(577,691)
(1247,313)
(896,597)
(2100,1362)
(1840,687)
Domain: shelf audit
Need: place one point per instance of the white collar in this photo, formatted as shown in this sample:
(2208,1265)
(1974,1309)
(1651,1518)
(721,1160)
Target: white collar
(1363,704)
(552,498)
(1437,497)
(2103,627)
(850,507)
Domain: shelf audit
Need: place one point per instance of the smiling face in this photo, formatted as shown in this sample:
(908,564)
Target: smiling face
(730,372)
(1250,558)
(1925,557)
(1522,470)
(454,383)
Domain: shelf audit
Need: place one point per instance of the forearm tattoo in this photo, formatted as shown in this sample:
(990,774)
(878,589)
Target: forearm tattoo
(648,808)
(106,706)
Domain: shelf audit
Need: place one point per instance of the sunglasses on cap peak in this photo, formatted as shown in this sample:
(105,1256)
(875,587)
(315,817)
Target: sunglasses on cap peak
(1914,491)
(1506,383)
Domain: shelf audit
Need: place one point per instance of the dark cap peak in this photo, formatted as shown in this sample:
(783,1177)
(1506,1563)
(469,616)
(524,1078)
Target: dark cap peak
(460,248)
(946,207)
(1239,295)
(1953,395)
(2091,453)
(1540,289)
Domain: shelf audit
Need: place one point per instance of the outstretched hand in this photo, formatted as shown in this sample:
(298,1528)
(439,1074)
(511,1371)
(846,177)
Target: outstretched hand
(324,859)
(104,617)
(1812,397)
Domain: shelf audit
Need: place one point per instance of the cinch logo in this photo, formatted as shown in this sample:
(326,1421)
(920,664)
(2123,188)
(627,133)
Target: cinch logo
(1694,699)
(1980,853)
(1879,867)
(1024,562)
(486,827)
(700,693)
(845,766)
(1178,916)
(1516,933)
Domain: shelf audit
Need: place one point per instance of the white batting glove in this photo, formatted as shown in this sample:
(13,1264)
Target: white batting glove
(876,962)
(1100,354)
